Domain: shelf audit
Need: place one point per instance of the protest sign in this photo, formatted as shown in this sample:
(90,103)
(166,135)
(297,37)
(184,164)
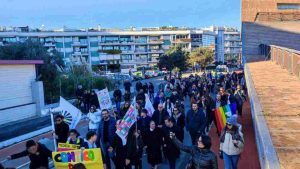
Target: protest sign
(128,120)
(104,99)
(90,158)
(67,147)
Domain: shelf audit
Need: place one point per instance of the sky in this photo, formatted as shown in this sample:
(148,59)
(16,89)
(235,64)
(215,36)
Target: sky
(119,13)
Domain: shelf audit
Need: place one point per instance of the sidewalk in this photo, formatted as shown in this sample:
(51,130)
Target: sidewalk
(249,157)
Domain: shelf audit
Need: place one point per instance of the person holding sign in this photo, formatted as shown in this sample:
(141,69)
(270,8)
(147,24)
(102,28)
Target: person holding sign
(74,138)
(90,143)
(37,153)
(61,129)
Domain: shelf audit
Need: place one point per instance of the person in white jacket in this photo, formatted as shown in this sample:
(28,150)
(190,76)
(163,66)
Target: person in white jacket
(94,117)
(231,143)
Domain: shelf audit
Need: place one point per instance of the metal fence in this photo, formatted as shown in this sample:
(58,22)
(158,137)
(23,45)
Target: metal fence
(287,58)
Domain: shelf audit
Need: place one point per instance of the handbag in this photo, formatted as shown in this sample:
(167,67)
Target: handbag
(190,164)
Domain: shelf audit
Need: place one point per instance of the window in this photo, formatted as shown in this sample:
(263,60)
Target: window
(126,57)
(59,45)
(288,6)
(68,44)
(94,44)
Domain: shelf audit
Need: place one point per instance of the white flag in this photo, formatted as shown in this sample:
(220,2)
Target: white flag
(148,106)
(71,114)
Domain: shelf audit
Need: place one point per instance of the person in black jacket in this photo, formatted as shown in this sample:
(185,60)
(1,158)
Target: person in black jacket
(143,122)
(138,86)
(153,143)
(170,149)
(141,98)
(117,98)
(94,99)
(151,91)
(119,150)
(124,110)
(37,153)
(134,148)
(202,156)
(179,118)
(195,122)
(127,85)
(127,96)
(159,115)
(61,129)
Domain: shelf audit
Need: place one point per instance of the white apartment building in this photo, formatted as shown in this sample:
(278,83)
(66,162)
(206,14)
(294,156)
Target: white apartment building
(127,49)
(232,44)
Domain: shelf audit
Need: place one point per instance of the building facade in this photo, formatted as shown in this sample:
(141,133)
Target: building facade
(110,48)
(21,95)
(269,22)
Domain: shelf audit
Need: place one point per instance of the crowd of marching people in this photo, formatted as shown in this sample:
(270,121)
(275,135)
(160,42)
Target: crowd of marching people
(181,105)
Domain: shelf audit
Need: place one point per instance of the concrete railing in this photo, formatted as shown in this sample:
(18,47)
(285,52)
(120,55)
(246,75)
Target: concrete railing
(267,155)
(287,58)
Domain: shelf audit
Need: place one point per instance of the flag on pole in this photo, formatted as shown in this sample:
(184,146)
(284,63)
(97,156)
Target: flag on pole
(71,114)
(128,120)
(223,113)
(148,106)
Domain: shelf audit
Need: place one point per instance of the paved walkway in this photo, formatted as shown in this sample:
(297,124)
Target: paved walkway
(279,95)
(249,158)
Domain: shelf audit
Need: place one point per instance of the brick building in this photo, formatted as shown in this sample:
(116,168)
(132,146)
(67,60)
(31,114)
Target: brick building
(269,22)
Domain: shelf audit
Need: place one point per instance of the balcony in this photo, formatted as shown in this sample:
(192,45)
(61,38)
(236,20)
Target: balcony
(106,57)
(140,51)
(155,51)
(47,44)
(80,54)
(156,41)
(138,41)
(127,51)
(79,44)
(232,39)
(183,40)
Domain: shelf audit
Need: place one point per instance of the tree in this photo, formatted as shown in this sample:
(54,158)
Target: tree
(47,72)
(174,57)
(203,56)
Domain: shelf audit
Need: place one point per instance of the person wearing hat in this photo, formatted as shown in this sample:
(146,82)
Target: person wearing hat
(37,153)
(231,143)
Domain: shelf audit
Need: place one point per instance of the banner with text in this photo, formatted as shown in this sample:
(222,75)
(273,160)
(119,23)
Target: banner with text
(90,158)
(104,99)
(67,147)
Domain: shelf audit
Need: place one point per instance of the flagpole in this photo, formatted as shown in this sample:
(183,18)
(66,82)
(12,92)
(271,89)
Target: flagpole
(53,129)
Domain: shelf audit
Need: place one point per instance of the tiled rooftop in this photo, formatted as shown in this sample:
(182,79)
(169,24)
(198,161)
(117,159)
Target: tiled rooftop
(279,95)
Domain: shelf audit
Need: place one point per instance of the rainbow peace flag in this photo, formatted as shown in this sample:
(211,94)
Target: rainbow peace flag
(223,113)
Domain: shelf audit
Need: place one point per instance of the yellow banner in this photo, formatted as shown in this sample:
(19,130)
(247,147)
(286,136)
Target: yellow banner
(90,158)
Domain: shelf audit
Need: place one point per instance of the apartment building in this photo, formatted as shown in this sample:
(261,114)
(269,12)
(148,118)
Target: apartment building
(232,44)
(113,49)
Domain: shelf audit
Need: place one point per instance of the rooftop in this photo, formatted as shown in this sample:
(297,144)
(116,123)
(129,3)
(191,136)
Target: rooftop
(21,62)
(278,93)
(100,29)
